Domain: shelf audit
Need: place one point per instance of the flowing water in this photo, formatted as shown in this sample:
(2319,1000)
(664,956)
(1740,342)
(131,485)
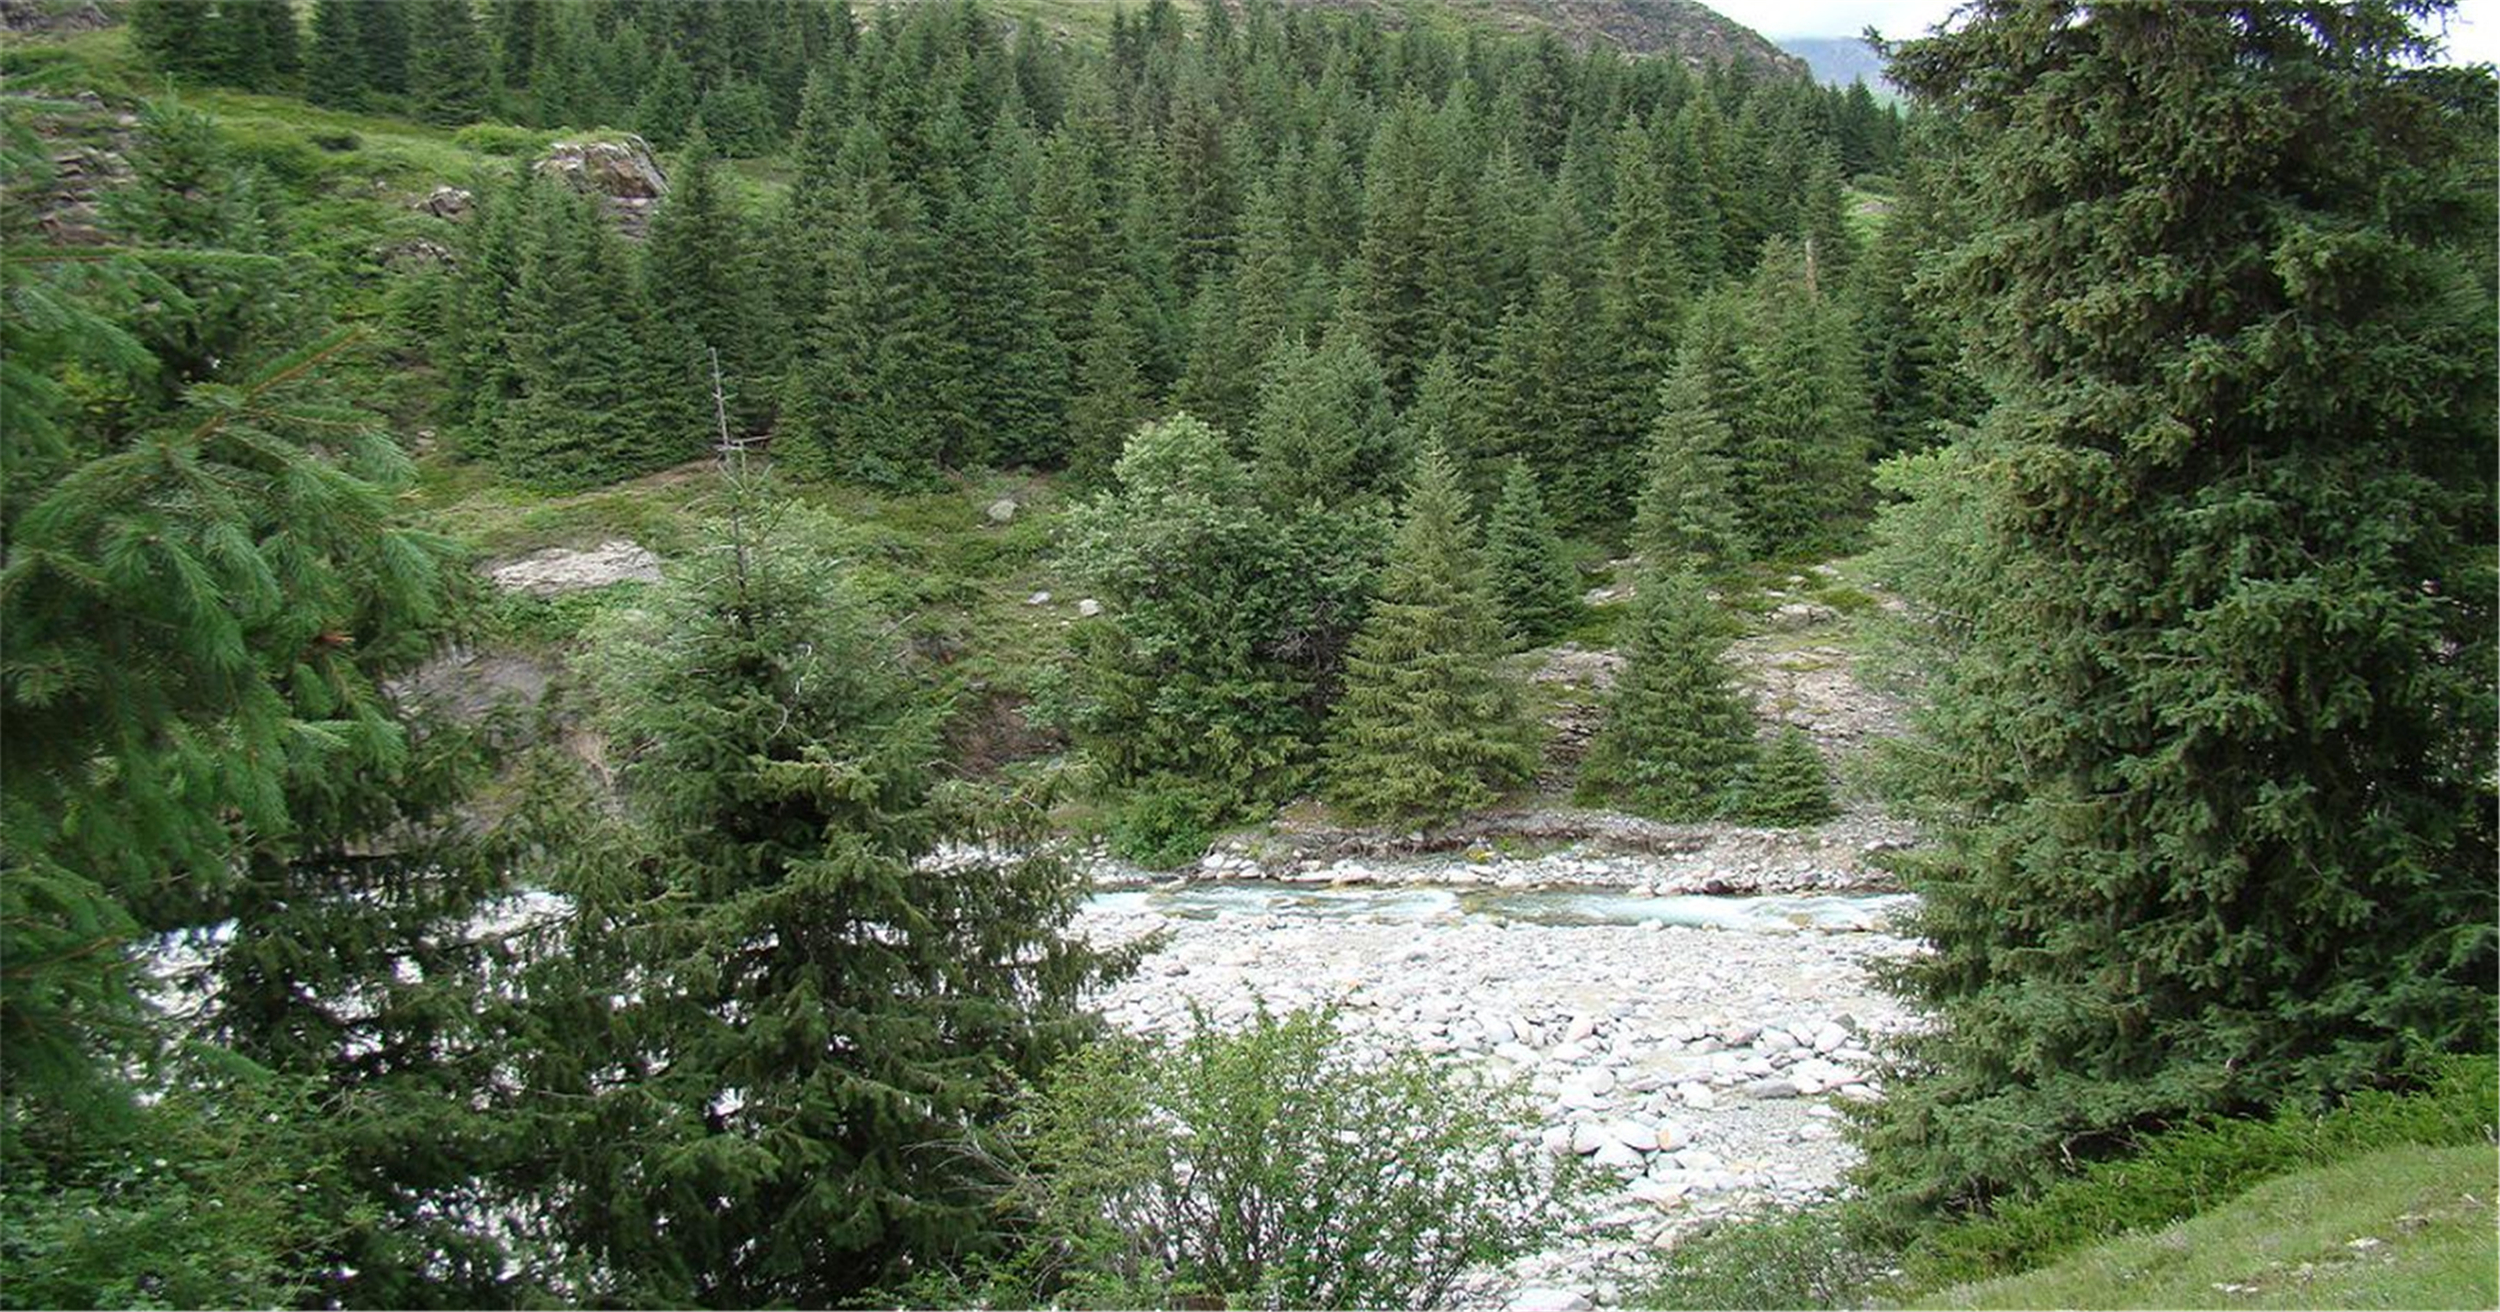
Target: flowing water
(1412,904)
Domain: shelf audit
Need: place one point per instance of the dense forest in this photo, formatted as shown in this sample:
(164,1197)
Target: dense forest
(2145,355)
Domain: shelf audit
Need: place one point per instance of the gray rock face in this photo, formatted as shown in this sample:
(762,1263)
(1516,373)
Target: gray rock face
(621,173)
(451,203)
(559,570)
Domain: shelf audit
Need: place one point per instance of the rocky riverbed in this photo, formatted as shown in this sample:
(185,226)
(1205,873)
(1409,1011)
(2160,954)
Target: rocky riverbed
(1699,1065)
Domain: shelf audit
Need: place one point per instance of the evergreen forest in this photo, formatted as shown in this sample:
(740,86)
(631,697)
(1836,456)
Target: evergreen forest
(648,649)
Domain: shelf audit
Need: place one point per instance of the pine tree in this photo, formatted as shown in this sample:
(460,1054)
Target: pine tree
(335,71)
(211,595)
(446,61)
(1787,785)
(2212,731)
(1687,510)
(1429,726)
(1324,429)
(698,269)
(382,33)
(577,355)
(665,113)
(828,1017)
(1803,425)
(1110,398)
(1677,732)
(1534,592)
(1018,390)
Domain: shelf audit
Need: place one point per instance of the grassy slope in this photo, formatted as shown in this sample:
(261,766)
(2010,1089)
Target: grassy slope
(2404,1227)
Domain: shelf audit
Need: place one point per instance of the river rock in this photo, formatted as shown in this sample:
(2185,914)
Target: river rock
(1770,1089)
(1547,1299)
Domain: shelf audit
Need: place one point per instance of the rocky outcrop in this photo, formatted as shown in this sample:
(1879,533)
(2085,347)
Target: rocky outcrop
(620,172)
(452,203)
(559,570)
(37,16)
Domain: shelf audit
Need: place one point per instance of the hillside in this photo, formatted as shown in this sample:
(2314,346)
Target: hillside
(2408,1227)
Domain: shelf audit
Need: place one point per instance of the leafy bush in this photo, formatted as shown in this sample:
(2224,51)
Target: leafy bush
(1802,1258)
(1166,822)
(2181,1172)
(1276,1166)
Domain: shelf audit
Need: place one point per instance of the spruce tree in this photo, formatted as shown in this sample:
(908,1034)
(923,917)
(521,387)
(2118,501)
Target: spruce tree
(698,267)
(1687,511)
(1429,727)
(1677,732)
(1803,427)
(1110,397)
(578,357)
(446,61)
(382,37)
(334,72)
(2211,733)
(1324,429)
(665,112)
(1787,785)
(841,967)
(1534,592)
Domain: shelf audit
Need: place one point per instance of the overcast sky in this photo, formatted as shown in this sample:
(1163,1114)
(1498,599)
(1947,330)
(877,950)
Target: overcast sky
(2473,35)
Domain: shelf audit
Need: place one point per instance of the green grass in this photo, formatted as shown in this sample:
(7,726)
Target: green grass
(2403,1227)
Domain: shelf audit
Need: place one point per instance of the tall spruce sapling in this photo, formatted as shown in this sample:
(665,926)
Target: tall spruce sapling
(1677,732)
(1534,591)
(1687,510)
(1430,726)
(841,963)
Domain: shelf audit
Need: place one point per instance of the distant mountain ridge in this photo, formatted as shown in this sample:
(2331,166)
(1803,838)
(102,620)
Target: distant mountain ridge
(1838,61)
(1688,29)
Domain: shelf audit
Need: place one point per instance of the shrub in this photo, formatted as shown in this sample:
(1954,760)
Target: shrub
(1276,1166)
(1166,822)
(1786,1259)
(500,140)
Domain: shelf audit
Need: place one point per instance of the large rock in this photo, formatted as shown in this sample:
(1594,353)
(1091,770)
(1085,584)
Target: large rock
(620,172)
(447,203)
(559,570)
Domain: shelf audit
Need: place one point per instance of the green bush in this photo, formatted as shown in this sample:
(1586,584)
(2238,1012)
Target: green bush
(2184,1171)
(1787,1259)
(1272,1167)
(500,140)
(1167,822)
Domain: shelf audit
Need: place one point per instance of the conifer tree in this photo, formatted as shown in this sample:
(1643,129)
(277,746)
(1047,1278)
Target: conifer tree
(2212,732)
(1787,785)
(827,1017)
(665,113)
(335,71)
(446,61)
(698,268)
(1677,733)
(1429,726)
(1687,511)
(1534,592)
(1017,388)
(382,38)
(1802,432)
(1110,398)
(1324,429)
(577,355)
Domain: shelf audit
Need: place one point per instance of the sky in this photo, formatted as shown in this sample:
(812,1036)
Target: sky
(2473,32)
